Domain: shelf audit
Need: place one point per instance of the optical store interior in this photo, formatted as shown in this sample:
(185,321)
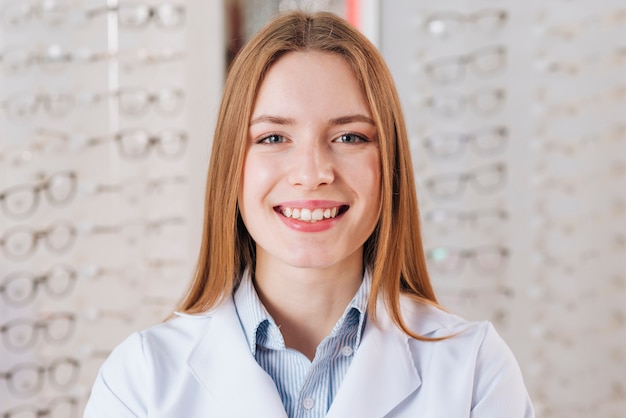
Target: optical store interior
(516,113)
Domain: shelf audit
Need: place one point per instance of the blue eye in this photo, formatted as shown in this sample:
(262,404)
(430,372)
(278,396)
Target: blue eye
(351,139)
(272,139)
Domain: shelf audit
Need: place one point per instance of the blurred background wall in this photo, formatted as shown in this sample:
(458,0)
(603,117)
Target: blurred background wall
(517,121)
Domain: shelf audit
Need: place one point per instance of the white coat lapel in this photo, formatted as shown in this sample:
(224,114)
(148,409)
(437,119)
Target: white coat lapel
(382,374)
(223,364)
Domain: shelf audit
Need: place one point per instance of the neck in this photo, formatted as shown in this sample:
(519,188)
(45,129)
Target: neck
(307,303)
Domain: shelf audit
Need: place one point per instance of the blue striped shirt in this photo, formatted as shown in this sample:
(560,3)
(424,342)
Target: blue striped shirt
(306,388)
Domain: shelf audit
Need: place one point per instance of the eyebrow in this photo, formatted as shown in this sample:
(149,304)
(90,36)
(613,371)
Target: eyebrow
(278,120)
(342,120)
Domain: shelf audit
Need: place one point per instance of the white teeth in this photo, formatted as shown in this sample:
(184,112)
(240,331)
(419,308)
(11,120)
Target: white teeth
(317,215)
(310,215)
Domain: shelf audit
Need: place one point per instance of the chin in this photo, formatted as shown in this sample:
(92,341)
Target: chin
(311,264)
(319,261)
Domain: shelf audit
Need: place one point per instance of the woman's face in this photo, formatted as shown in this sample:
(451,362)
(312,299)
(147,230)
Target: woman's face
(310,194)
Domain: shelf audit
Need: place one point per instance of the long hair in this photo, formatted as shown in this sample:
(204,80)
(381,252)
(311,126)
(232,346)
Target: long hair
(394,252)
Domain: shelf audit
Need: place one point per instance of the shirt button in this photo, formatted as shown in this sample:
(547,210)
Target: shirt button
(347,351)
(308,403)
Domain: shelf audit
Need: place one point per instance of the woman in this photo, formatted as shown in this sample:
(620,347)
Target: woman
(311,296)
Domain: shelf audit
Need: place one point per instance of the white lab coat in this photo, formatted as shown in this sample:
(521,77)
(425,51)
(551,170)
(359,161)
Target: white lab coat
(201,367)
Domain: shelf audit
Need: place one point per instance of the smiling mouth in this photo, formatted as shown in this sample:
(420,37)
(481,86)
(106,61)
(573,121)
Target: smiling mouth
(312,215)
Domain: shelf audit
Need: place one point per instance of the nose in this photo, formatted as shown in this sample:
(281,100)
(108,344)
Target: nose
(311,166)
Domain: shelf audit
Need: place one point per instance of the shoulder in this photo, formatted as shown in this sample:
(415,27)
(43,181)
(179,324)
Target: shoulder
(144,366)
(431,321)
(473,356)
(179,333)
(175,339)
(161,344)
(478,339)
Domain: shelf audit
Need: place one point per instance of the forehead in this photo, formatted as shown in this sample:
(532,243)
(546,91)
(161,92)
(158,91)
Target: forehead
(313,80)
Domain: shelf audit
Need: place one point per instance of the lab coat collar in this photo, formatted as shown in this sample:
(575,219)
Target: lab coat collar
(223,364)
(383,372)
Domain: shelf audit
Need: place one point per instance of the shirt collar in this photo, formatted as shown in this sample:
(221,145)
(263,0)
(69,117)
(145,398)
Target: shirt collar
(254,317)
(252,313)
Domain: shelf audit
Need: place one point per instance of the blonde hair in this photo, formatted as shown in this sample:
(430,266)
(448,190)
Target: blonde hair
(394,252)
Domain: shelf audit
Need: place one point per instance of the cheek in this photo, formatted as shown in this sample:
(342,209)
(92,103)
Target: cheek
(256,180)
(257,171)
(375,191)
(245,187)
(370,178)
